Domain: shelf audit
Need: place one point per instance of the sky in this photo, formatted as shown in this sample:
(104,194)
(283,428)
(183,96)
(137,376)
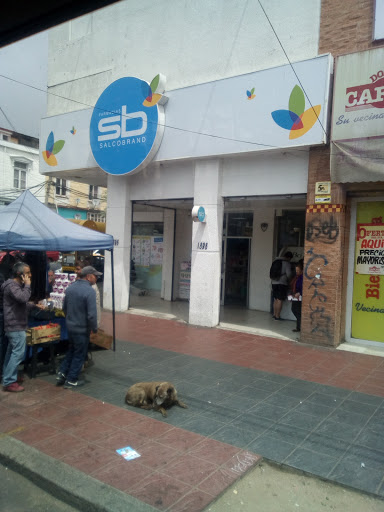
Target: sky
(25,61)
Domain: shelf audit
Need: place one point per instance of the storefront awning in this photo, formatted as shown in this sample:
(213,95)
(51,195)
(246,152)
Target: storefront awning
(357,161)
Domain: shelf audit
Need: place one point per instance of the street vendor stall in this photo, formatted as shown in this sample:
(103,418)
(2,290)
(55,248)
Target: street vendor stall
(28,225)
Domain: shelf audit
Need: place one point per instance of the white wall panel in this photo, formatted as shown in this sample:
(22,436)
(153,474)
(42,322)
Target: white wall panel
(266,174)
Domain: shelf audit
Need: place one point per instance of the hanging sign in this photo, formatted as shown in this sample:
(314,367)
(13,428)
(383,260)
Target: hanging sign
(198,214)
(127,124)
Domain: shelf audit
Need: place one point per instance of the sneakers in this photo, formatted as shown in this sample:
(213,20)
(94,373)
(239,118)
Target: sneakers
(14,388)
(60,379)
(73,385)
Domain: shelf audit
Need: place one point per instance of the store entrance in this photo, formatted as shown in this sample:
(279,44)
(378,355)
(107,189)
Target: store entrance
(237,254)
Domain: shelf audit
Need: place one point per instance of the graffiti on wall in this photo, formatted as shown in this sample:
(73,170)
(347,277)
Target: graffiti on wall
(320,321)
(325,231)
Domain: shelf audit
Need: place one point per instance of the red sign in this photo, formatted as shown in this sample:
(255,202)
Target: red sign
(371,95)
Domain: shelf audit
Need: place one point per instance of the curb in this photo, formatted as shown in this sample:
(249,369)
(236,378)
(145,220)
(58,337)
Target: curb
(64,482)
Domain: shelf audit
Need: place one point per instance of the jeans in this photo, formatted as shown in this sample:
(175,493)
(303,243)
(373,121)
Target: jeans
(14,356)
(75,357)
(3,343)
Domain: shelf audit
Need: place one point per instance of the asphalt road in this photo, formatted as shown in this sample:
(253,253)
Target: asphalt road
(18,494)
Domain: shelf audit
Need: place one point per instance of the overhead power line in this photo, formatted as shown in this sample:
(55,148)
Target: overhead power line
(290,63)
(212,135)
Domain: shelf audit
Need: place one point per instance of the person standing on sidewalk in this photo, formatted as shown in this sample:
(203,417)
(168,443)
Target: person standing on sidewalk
(280,281)
(81,319)
(297,292)
(3,339)
(16,294)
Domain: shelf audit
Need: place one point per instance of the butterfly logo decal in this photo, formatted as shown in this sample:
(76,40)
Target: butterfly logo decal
(52,148)
(250,94)
(296,119)
(153,92)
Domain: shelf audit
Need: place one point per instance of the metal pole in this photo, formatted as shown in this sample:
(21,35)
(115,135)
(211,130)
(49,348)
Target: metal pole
(113,303)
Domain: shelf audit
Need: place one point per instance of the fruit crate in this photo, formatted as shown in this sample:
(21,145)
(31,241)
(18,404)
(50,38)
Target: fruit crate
(43,334)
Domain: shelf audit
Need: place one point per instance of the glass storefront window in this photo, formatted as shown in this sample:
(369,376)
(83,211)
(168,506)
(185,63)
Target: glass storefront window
(147,228)
(290,229)
(239,224)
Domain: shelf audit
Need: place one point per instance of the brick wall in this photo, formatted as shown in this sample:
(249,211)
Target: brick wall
(324,258)
(346,27)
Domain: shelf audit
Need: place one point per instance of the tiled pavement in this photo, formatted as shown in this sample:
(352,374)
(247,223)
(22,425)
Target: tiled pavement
(318,410)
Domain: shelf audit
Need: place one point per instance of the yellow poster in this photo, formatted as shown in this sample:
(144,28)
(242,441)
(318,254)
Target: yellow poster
(368,282)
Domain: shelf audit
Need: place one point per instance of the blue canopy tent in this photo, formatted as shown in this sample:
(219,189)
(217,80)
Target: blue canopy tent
(28,225)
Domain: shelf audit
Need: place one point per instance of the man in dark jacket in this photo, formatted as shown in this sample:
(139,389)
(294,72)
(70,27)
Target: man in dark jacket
(16,294)
(3,338)
(81,318)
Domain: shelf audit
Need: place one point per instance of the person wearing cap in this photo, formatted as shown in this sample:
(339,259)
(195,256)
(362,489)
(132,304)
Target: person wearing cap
(81,319)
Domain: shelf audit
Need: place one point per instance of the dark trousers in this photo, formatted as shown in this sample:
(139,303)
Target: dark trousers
(75,357)
(3,343)
(296,310)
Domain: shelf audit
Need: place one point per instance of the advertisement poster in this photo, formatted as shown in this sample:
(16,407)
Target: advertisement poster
(368,284)
(157,250)
(357,151)
(147,255)
(370,248)
(145,258)
(136,250)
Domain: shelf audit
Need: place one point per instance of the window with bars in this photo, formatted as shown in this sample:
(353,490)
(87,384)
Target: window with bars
(96,217)
(20,175)
(61,187)
(94,192)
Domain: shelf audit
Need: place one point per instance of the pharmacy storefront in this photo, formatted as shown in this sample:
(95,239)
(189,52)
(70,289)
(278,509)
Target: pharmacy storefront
(357,155)
(206,184)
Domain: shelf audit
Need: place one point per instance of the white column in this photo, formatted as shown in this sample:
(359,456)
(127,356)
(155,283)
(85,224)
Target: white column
(169,224)
(119,215)
(204,305)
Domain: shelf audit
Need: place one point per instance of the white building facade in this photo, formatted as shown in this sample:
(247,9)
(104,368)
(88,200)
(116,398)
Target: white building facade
(235,135)
(19,169)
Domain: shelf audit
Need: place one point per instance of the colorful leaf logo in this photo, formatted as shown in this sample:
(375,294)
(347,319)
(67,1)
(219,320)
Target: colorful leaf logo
(298,120)
(73,131)
(250,94)
(52,148)
(149,92)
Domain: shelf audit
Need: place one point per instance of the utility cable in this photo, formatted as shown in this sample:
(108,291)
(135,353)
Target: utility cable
(293,69)
(192,131)
(128,117)
(7,118)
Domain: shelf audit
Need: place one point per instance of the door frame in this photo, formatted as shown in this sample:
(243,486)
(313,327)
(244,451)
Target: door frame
(224,266)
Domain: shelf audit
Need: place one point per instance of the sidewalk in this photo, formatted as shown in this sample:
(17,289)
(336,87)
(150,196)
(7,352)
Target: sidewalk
(318,410)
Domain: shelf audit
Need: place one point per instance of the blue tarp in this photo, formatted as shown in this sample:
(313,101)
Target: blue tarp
(28,225)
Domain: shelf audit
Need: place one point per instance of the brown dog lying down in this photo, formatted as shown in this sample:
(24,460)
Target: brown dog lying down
(153,395)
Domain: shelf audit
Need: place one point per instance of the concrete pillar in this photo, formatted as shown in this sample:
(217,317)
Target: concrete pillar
(204,306)
(169,226)
(119,215)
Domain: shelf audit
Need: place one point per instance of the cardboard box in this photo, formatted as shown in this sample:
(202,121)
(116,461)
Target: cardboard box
(101,339)
(43,334)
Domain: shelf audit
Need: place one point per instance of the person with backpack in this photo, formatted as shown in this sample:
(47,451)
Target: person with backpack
(280,275)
